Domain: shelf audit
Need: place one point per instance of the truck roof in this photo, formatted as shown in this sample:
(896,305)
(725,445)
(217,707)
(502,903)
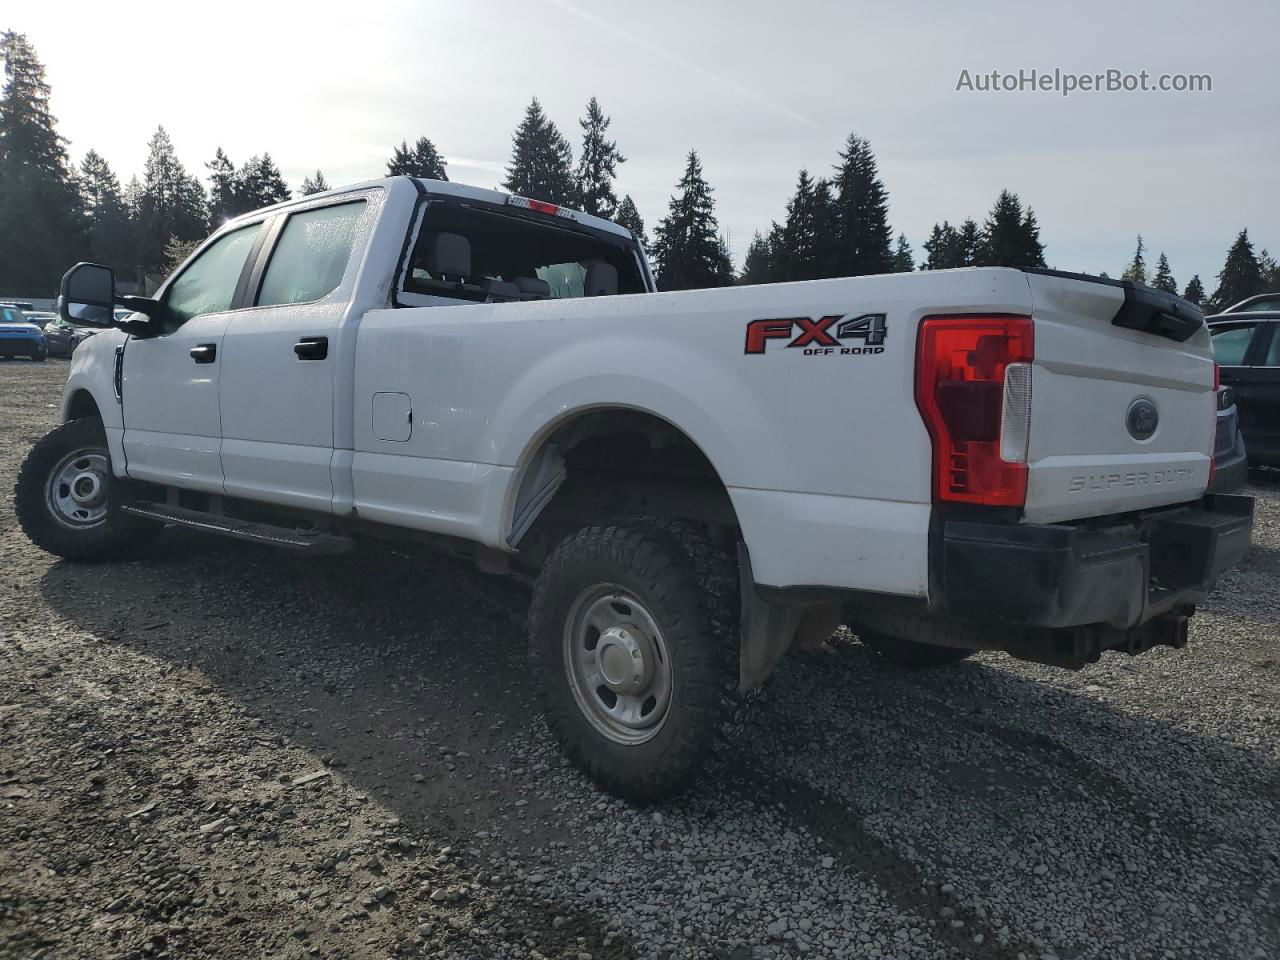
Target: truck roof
(447,188)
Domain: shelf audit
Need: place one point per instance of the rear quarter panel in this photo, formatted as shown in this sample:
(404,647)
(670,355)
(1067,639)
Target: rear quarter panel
(822,449)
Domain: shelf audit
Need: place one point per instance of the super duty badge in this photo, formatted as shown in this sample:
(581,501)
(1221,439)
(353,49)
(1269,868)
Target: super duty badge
(816,338)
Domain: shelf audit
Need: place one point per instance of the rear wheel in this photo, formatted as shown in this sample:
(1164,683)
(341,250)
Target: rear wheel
(68,501)
(633,638)
(910,653)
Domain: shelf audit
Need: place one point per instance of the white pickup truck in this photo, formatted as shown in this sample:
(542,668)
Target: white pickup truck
(944,461)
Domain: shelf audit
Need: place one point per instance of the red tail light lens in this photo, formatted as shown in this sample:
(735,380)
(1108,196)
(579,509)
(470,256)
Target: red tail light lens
(961,393)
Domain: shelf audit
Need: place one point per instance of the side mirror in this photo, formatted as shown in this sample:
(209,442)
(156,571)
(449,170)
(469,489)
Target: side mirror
(88,299)
(88,295)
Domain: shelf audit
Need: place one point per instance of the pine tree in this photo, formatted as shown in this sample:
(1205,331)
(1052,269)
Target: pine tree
(223,188)
(904,261)
(628,216)
(259,184)
(1241,275)
(862,213)
(1270,271)
(423,160)
(1137,268)
(172,203)
(807,249)
(687,249)
(944,247)
(1194,291)
(541,164)
(1010,237)
(757,266)
(969,240)
(1032,248)
(108,217)
(933,248)
(316,184)
(597,165)
(42,224)
(1163,279)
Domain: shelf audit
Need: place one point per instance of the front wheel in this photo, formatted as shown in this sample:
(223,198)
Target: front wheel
(632,635)
(68,501)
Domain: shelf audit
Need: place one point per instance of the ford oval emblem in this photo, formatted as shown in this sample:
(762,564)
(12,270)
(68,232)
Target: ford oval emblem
(1142,419)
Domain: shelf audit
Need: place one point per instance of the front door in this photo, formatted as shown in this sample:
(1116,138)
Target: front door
(281,357)
(170,385)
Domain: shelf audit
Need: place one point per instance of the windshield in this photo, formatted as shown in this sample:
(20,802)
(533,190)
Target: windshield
(480,252)
(11,315)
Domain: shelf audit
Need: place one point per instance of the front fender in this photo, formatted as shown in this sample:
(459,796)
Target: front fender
(93,369)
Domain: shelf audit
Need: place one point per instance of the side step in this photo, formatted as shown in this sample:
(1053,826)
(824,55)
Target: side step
(312,541)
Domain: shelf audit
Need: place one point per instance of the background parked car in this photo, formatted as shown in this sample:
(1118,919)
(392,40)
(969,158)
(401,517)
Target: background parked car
(19,337)
(1246,345)
(62,337)
(1254,304)
(39,317)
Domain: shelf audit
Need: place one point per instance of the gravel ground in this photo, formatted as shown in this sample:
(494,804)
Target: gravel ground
(222,751)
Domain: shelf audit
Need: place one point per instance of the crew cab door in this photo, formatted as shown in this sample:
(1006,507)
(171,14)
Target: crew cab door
(169,387)
(281,356)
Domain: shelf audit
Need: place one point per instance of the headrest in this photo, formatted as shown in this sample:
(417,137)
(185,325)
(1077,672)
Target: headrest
(449,255)
(601,281)
(532,287)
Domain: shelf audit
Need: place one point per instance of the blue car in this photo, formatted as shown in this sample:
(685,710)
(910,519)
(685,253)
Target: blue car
(19,337)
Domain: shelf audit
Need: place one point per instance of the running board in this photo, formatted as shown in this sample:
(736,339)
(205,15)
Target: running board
(312,541)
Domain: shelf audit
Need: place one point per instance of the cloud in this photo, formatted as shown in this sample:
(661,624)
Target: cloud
(731,85)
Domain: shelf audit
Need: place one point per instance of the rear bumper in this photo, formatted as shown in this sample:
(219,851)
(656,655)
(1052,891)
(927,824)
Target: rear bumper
(1060,576)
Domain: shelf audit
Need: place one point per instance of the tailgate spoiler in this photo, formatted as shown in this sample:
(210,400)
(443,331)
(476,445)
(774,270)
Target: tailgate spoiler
(1144,308)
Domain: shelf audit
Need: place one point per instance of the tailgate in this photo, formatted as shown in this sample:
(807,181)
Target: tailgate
(1122,414)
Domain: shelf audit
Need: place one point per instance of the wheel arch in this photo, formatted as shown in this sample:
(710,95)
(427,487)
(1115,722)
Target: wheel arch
(80,403)
(541,468)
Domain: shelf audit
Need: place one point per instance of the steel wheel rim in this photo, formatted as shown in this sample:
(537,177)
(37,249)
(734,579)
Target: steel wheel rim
(78,488)
(618,664)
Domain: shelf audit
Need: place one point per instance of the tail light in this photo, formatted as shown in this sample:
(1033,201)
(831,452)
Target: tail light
(973,388)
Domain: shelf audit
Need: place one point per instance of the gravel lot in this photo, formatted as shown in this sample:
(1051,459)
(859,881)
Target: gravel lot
(223,751)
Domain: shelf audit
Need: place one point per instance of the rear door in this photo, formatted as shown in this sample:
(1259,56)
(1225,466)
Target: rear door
(280,358)
(1122,419)
(169,388)
(1248,351)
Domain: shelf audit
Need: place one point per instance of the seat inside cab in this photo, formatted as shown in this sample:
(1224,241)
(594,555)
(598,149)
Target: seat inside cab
(489,254)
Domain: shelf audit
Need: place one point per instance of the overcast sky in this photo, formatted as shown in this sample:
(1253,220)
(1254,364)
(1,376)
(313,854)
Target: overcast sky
(760,89)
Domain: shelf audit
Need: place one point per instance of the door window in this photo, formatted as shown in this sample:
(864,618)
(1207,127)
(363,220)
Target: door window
(1273,350)
(208,285)
(1230,344)
(311,256)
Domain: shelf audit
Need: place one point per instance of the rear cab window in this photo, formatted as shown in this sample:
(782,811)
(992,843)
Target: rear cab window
(485,253)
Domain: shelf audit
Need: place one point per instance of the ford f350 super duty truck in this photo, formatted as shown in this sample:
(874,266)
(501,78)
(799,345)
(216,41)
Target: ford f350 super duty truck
(694,482)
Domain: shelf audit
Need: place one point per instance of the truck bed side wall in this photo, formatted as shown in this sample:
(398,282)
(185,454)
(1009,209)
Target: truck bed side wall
(824,453)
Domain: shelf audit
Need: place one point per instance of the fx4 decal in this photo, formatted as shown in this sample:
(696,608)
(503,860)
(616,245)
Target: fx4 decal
(816,337)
